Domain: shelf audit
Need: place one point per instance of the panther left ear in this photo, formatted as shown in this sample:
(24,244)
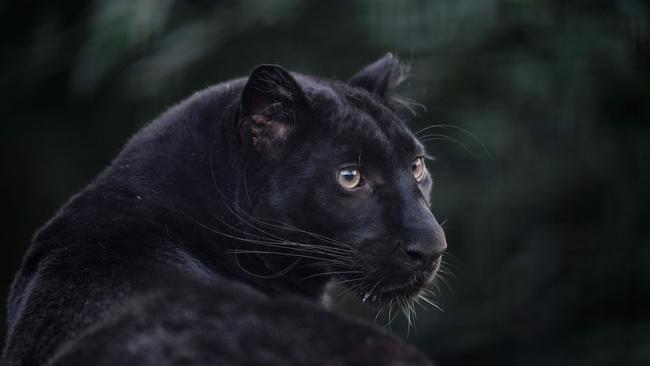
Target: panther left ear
(270,103)
(380,76)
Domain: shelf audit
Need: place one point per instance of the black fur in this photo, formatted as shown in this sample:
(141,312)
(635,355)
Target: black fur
(211,237)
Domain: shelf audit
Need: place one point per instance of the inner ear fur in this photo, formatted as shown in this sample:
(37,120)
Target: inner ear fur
(270,104)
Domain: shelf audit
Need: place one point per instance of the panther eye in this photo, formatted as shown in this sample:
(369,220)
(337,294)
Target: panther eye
(417,166)
(350,178)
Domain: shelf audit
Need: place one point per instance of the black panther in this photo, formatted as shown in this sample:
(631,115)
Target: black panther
(212,236)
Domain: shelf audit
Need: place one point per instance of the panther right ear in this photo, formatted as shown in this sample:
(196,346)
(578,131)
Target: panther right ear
(270,102)
(381,76)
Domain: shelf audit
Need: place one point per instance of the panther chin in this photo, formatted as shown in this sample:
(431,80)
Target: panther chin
(412,289)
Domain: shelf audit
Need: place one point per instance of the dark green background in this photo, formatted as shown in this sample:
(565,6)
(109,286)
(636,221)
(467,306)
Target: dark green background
(550,236)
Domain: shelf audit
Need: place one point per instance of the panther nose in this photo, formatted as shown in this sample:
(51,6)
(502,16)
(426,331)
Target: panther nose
(426,250)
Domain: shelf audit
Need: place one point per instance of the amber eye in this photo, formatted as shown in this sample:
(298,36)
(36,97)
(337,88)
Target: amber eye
(349,178)
(417,166)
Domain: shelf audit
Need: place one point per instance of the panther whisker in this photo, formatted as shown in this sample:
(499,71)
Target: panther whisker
(416,300)
(328,274)
(275,275)
(467,132)
(379,310)
(284,244)
(322,260)
(373,287)
(293,228)
(441,137)
(303,247)
(430,302)
(275,244)
(285,227)
(230,204)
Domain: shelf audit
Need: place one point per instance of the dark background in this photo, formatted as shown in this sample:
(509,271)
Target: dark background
(549,228)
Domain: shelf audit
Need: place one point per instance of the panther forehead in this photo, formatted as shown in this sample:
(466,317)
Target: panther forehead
(364,119)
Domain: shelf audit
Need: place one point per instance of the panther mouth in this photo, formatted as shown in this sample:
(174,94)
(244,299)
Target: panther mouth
(402,291)
(384,293)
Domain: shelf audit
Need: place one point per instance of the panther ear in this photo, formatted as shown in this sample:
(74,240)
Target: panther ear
(380,76)
(270,102)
